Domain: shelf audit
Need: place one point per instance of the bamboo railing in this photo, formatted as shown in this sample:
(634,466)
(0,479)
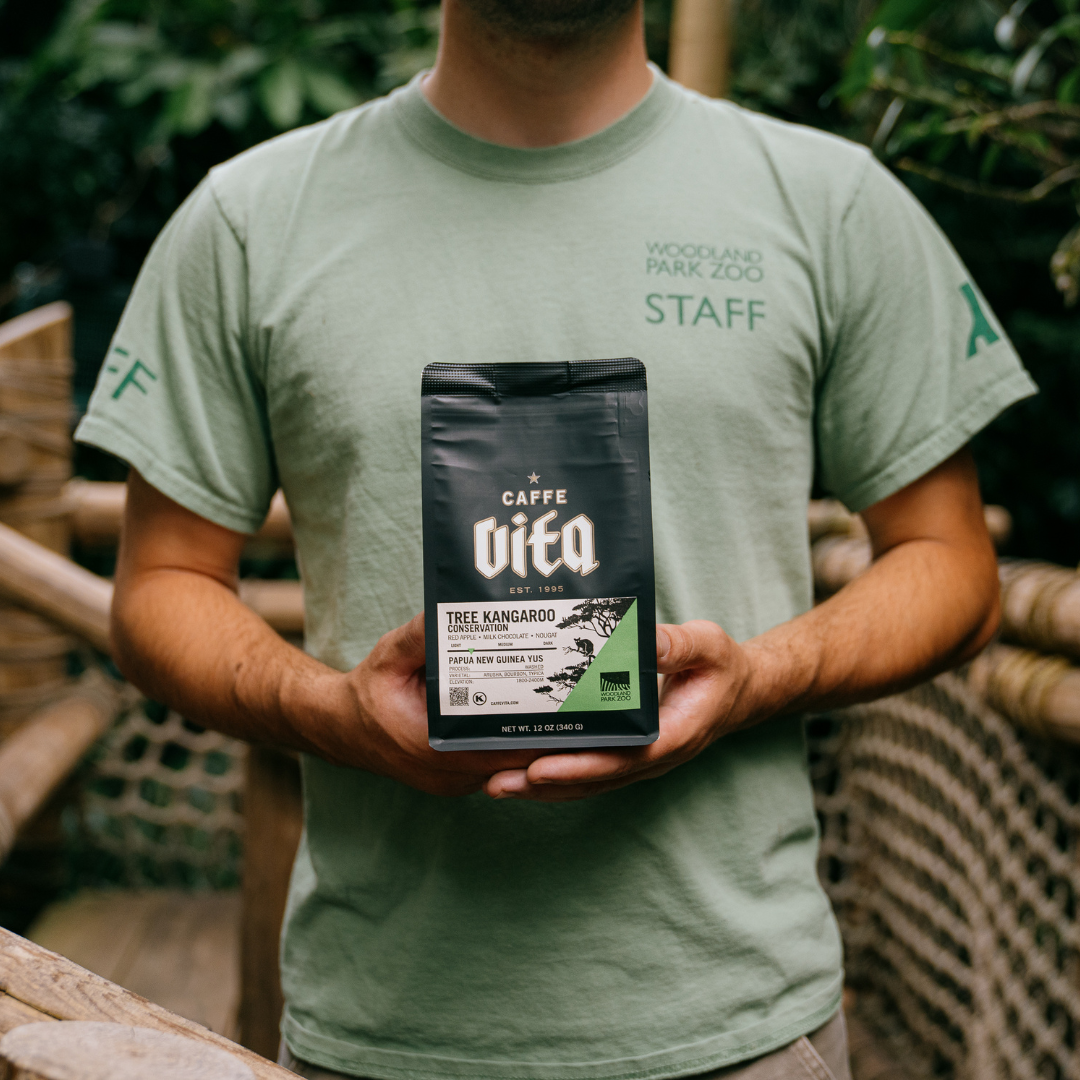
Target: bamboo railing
(35,464)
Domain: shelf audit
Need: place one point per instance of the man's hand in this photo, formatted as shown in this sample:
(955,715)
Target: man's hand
(180,633)
(383,724)
(707,691)
(928,602)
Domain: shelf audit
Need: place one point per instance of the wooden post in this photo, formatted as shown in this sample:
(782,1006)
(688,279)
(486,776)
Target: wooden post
(273,815)
(35,464)
(700,52)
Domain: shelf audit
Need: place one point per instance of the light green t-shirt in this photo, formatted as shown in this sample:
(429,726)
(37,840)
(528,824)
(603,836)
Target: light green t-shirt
(788,297)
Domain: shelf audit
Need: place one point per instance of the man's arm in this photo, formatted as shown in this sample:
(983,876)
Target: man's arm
(928,602)
(180,634)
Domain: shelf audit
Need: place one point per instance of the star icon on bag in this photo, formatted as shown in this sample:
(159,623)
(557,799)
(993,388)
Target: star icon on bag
(533,478)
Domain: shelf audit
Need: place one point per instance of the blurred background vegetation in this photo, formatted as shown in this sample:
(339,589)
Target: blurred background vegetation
(112,110)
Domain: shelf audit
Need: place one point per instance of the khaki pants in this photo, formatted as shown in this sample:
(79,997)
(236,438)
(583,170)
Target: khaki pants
(821,1055)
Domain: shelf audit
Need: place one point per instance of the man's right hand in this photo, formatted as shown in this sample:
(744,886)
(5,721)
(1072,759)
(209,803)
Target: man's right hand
(181,634)
(385,727)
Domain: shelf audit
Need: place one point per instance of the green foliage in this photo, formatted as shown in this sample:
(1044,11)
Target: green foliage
(793,59)
(985,106)
(220,60)
(894,15)
(789,55)
(126,103)
(978,106)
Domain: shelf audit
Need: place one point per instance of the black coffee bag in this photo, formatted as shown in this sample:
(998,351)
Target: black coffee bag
(538,559)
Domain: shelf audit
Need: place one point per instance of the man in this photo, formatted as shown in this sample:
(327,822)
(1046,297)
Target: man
(543,194)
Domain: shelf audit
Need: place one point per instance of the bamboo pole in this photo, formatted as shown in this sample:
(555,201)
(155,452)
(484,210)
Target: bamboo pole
(1040,606)
(36,758)
(1035,691)
(49,584)
(836,560)
(699,55)
(97,513)
(841,550)
(280,603)
(53,586)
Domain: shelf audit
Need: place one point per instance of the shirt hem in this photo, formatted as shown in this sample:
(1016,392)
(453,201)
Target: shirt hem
(689,1060)
(176,486)
(942,443)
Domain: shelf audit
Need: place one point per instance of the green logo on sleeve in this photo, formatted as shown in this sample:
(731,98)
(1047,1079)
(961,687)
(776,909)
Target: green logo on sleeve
(132,377)
(980,325)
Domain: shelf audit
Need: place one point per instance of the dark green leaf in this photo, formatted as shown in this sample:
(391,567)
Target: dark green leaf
(891,15)
(281,91)
(327,91)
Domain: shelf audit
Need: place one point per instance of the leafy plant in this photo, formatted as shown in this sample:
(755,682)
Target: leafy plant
(990,110)
(125,92)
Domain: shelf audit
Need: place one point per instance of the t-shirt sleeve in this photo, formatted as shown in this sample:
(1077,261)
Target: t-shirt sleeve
(178,397)
(917,363)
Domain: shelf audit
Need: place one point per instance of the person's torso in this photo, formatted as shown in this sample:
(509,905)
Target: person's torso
(680,917)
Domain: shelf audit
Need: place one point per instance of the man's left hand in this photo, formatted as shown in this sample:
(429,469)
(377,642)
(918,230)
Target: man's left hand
(706,693)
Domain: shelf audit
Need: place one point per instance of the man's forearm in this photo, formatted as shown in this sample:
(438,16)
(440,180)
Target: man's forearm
(928,602)
(920,609)
(181,635)
(186,639)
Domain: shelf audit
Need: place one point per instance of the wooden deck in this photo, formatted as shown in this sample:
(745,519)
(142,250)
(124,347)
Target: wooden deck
(182,951)
(179,950)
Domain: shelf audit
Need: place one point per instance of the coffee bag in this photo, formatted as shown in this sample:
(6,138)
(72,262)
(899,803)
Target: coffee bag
(538,561)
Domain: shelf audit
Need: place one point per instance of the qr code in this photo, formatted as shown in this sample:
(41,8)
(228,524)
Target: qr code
(459,695)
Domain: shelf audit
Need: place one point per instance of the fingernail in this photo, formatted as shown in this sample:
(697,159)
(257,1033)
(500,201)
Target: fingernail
(663,644)
(510,783)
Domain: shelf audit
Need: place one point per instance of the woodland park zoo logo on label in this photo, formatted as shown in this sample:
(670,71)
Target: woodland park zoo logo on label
(614,685)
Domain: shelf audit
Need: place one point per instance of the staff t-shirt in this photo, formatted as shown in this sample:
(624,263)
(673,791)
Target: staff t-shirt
(787,296)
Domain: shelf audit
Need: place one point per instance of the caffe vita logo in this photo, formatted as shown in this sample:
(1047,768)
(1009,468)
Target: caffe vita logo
(497,547)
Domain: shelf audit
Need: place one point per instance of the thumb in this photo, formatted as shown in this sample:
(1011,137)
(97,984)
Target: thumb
(401,650)
(694,644)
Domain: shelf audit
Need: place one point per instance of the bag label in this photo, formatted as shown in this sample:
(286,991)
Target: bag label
(539,656)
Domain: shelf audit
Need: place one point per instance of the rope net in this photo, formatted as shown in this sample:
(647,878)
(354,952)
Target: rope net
(162,799)
(949,850)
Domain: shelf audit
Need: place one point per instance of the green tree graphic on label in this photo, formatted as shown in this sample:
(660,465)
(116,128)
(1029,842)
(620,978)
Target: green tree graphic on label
(604,679)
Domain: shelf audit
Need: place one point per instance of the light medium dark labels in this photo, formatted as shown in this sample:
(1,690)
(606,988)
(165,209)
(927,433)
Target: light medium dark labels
(552,656)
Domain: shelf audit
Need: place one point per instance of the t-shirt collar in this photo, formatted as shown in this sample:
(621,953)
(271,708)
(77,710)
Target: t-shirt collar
(567,161)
